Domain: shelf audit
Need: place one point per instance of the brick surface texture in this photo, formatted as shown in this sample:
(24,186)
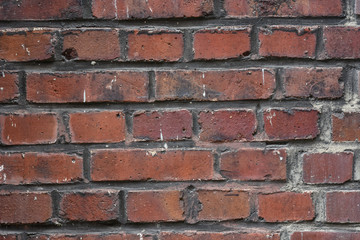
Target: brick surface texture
(179,119)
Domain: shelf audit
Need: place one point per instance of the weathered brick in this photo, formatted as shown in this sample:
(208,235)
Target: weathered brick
(197,235)
(97,205)
(328,167)
(136,165)
(25,207)
(155,45)
(9,236)
(69,87)
(99,236)
(101,44)
(220,205)
(341,42)
(9,89)
(299,8)
(28,128)
(30,168)
(286,206)
(227,125)
(343,207)
(132,9)
(221,43)
(220,85)
(154,206)
(97,127)
(40,10)
(254,164)
(291,124)
(346,126)
(287,41)
(325,236)
(163,125)
(26,45)
(313,82)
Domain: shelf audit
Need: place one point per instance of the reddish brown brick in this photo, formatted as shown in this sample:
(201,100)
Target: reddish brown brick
(135,165)
(9,237)
(9,89)
(40,10)
(99,236)
(228,85)
(221,43)
(254,164)
(196,235)
(325,236)
(28,128)
(328,167)
(286,206)
(299,8)
(97,127)
(346,126)
(131,9)
(346,46)
(154,206)
(155,46)
(291,124)
(287,42)
(226,125)
(161,125)
(25,208)
(98,205)
(119,86)
(26,45)
(30,168)
(220,205)
(89,44)
(343,207)
(313,82)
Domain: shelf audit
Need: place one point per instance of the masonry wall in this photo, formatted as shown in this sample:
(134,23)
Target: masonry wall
(177,120)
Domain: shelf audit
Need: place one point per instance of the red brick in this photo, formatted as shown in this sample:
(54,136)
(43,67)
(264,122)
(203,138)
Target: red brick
(97,127)
(136,165)
(226,85)
(218,205)
(40,10)
(221,43)
(9,89)
(89,44)
(328,167)
(26,45)
(313,82)
(291,124)
(131,9)
(25,208)
(155,46)
(342,42)
(161,125)
(293,42)
(286,206)
(90,206)
(30,168)
(325,236)
(226,125)
(9,237)
(254,164)
(346,127)
(68,87)
(154,206)
(343,207)
(195,235)
(28,128)
(98,236)
(299,8)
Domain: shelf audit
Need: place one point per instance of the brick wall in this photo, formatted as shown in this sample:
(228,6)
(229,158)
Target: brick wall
(178,120)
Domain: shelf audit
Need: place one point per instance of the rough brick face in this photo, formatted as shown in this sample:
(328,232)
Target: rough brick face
(346,46)
(254,164)
(324,235)
(213,236)
(136,165)
(221,44)
(97,127)
(328,167)
(343,207)
(99,236)
(9,89)
(30,168)
(346,126)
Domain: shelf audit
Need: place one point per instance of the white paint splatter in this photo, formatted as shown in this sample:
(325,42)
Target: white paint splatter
(3,74)
(263,76)
(161,135)
(127,11)
(203,75)
(4,177)
(84,96)
(35,198)
(165,146)
(152,153)
(93,63)
(270,117)
(140,236)
(1,168)
(204,92)
(116,9)
(1,88)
